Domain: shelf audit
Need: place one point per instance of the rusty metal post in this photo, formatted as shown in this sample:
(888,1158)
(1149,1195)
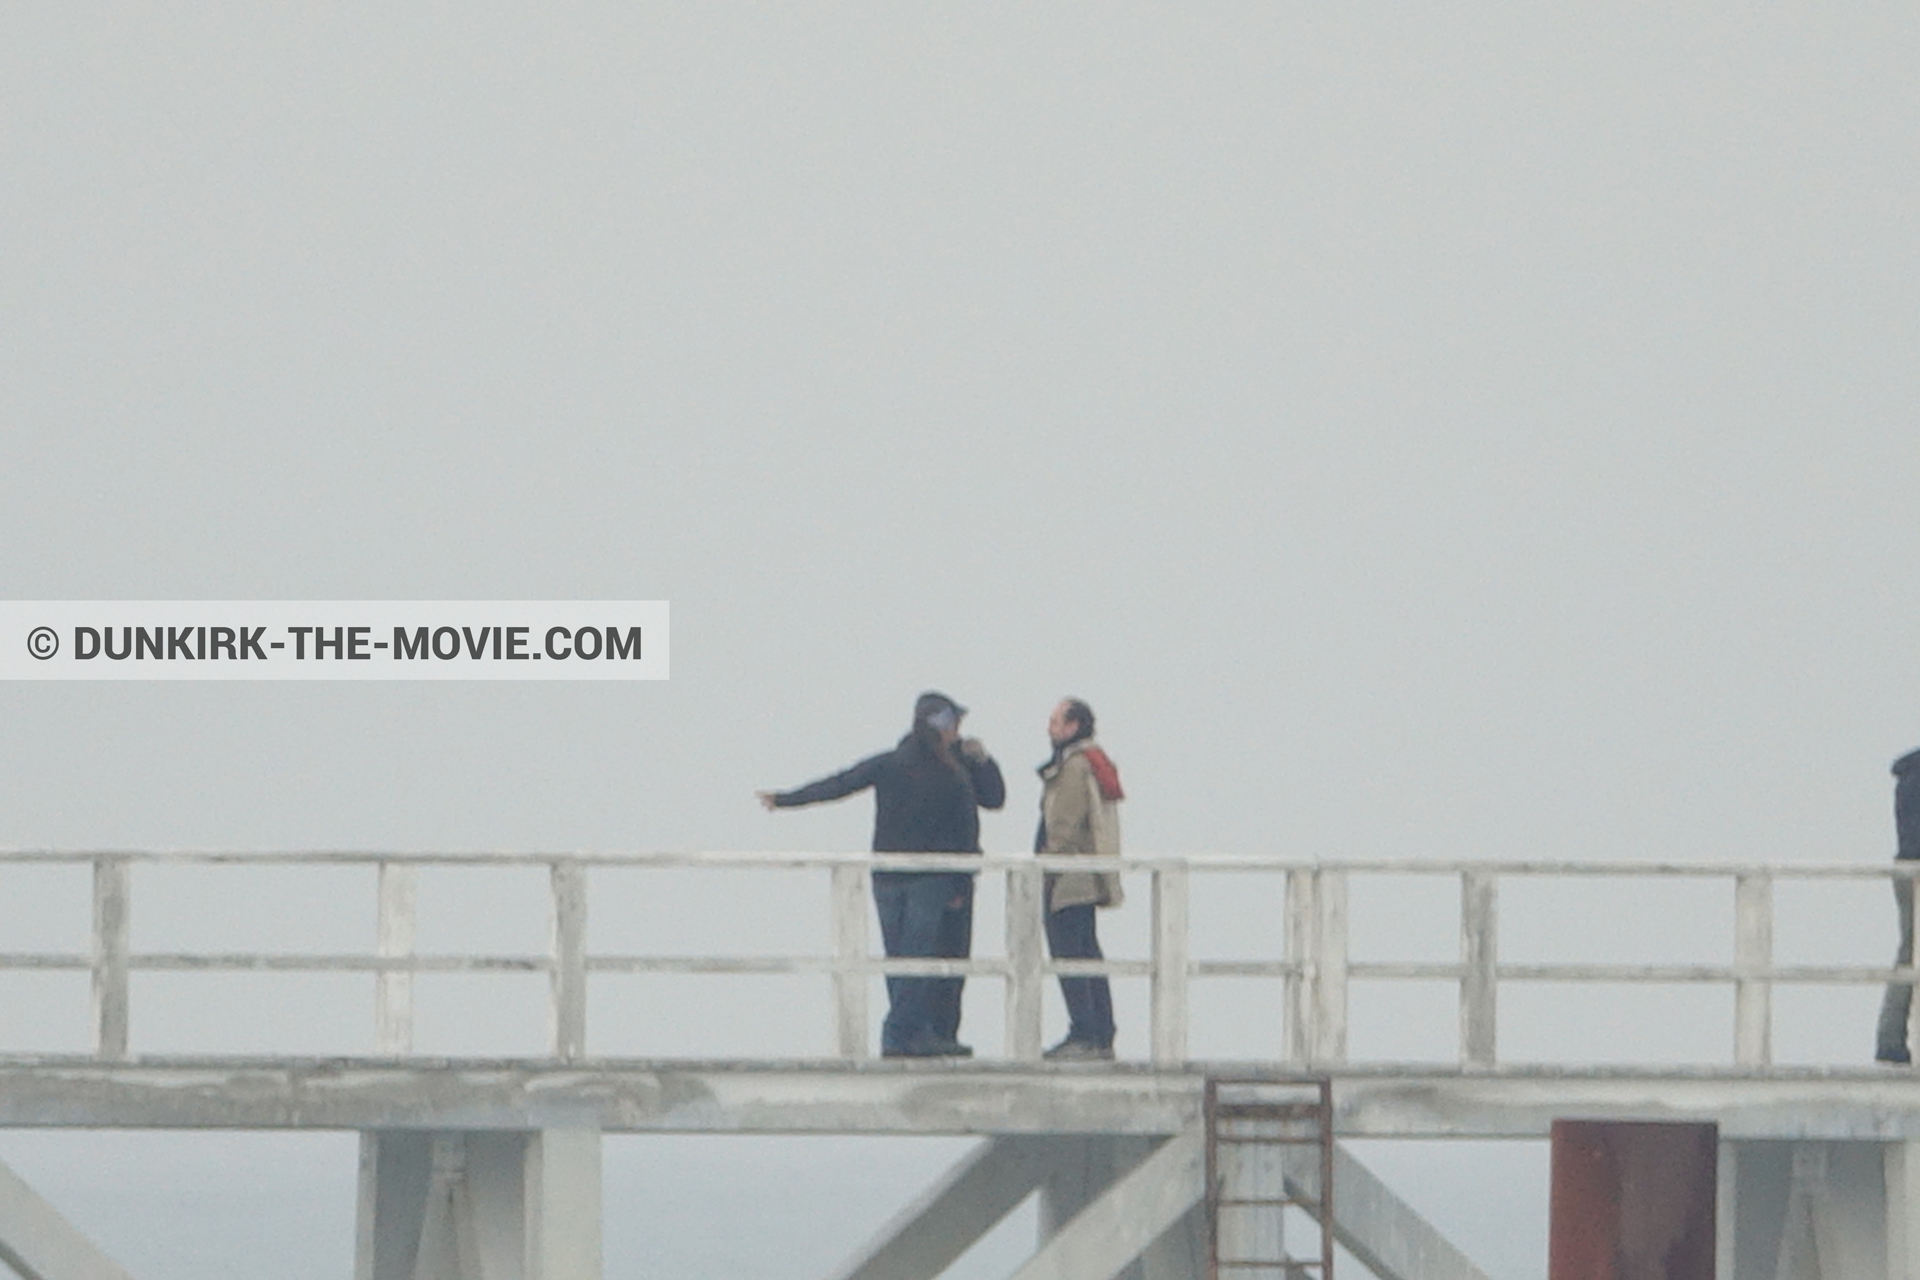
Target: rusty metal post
(1633,1201)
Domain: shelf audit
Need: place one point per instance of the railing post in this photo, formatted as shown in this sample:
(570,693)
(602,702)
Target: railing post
(392,990)
(849,913)
(1479,966)
(1172,951)
(1752,958)
(112,926)
(1301,931)
(1330,987)
(1317,952)
(1026,951)
(569,960)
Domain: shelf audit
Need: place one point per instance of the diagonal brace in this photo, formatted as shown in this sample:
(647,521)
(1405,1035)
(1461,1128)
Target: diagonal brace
(40,1244)
(1128,1216)
(1373,1224)
(926,1237)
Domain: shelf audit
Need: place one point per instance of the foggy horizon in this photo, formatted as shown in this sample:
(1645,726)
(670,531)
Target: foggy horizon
(1440,434)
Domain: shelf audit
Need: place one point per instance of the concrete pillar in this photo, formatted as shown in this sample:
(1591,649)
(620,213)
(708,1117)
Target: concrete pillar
(1084,1168)
(1181,1251)
(1901,1161)
(482,1205)
(1817,1211)
(1136,1227)
(1753,1211)
(1381,1230)
(926,1237)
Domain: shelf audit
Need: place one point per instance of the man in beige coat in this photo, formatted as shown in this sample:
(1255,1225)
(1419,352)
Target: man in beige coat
(1079,814)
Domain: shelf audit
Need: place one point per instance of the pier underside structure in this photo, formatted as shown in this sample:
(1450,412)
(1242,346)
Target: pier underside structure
(489,1169)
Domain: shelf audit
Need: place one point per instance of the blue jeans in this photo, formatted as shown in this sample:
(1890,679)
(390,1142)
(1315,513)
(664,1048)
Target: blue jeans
(923,914)
(1071,936)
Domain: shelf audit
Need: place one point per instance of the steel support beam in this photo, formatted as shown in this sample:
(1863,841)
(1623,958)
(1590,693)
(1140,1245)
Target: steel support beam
(479,1205)
(40,1244)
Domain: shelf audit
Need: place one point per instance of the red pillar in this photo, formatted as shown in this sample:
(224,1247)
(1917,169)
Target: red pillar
(1632,1201)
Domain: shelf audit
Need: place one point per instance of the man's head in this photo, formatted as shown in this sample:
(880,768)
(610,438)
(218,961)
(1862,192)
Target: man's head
(940,713)
(1071,721)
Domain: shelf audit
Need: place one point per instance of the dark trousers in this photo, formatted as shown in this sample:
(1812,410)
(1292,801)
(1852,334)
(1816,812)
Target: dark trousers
(1892,1037)
(923,914)
(1071,936)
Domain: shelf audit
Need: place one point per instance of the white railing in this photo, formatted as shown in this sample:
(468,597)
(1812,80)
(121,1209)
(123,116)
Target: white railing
(1316,968)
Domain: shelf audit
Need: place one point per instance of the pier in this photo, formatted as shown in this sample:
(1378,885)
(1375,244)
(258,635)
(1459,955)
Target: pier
(487,1168)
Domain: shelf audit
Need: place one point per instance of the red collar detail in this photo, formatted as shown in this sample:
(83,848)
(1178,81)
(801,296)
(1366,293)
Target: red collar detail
(1105,774)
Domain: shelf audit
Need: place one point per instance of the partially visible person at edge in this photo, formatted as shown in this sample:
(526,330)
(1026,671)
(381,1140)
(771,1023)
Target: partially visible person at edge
(1079,814)
(1891,1043)
(928,792)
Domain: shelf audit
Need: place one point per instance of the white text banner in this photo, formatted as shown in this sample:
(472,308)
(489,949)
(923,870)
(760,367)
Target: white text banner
(333,640)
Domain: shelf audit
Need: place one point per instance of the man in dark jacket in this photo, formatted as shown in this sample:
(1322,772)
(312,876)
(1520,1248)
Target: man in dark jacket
(1891,1046)
(928,792)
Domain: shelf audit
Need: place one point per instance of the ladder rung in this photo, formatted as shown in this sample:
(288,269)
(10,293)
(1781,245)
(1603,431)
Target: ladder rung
(1280,1264)
(1278,1115)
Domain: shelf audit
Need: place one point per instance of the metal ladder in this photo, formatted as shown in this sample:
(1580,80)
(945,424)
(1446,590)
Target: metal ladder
(1256,1130)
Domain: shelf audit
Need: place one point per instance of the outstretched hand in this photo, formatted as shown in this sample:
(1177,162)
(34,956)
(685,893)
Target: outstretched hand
(767,801)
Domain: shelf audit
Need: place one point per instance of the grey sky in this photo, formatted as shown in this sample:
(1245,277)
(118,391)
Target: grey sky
(1458,432)
(1447,430)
